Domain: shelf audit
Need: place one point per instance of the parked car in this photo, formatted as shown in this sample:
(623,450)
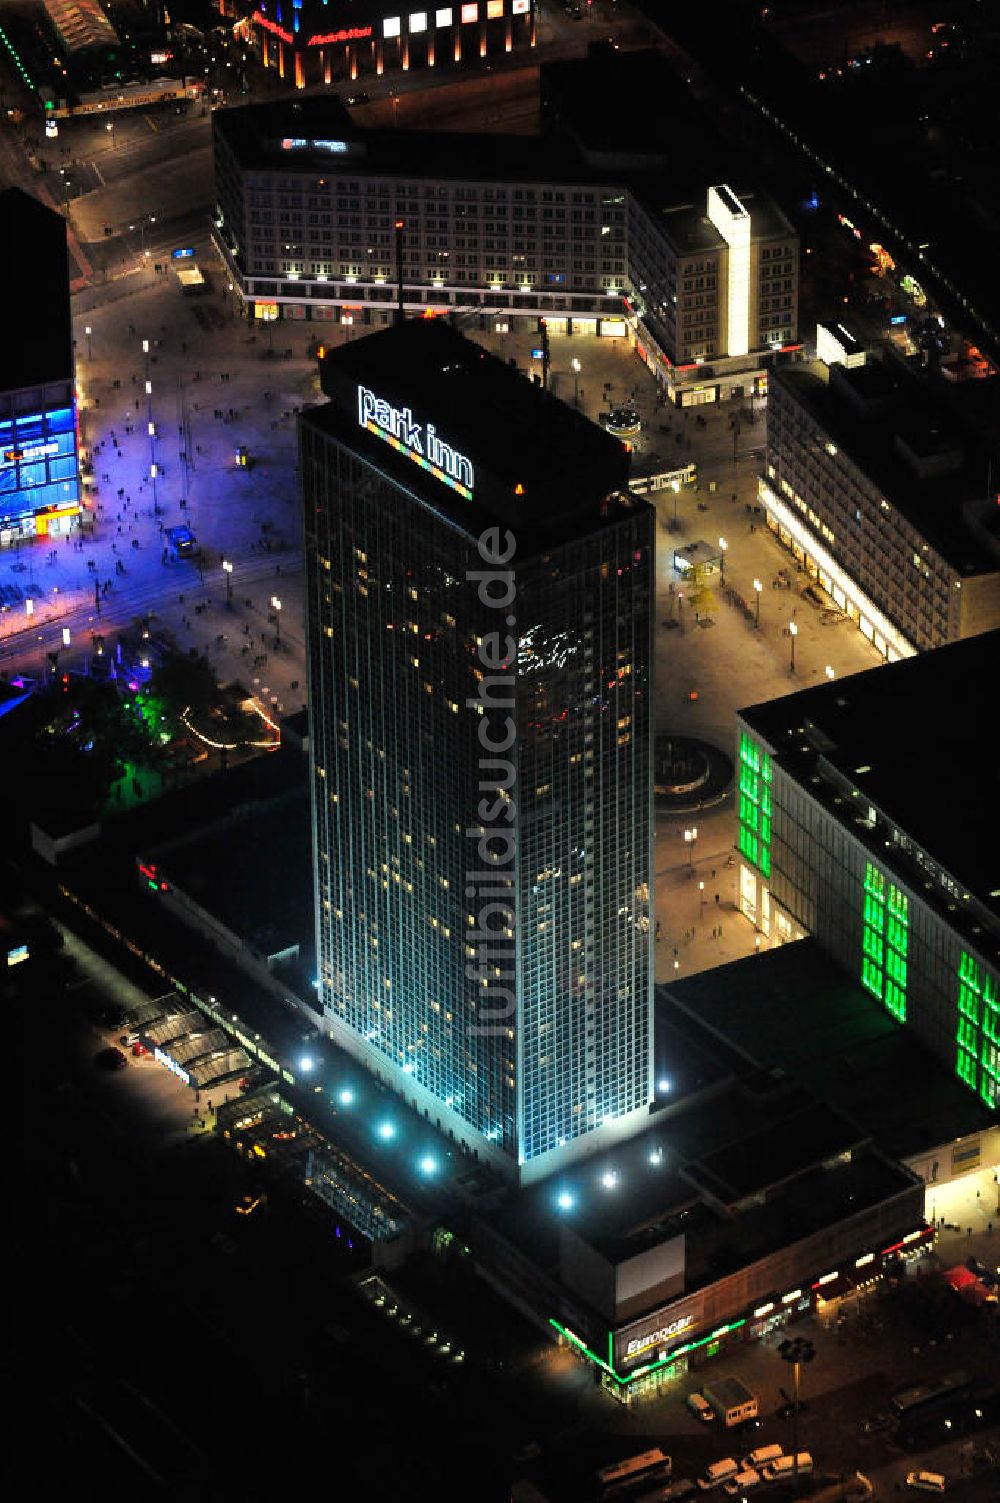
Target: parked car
(742,1483)
(926,1482)
(701,1407)
(111,1059)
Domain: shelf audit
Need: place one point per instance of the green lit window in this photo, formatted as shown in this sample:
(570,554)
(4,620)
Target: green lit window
(895,1000)
(965,1067)
(884,943)
(756,775)
(871,977)
(968,1035)
(989,1078)
(977,1028)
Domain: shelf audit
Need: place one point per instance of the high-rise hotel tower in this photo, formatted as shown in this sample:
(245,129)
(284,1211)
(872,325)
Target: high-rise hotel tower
(479,585)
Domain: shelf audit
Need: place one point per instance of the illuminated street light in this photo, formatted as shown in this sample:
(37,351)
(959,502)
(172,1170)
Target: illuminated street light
(66,636)
(793,632)
(609,1179)
(723,545)
(758,586)
(29,607)
(574,366)
(796,1350)
(276,607)
(830,672)
(690,836)
(386,1131)
(227,569)
(306,1063)
(664,1086)
(88,331)
(428,1164)
(346,1096)
(701,895)
(565,1201)
(675,486)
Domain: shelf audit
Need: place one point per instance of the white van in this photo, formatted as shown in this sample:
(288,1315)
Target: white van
(784,1467)
(701,1407)
(719,1471)
(926,1482)
(742,1482)
(762,1456)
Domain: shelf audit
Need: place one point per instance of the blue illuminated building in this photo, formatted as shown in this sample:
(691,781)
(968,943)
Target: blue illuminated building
(39,466)
(481,771)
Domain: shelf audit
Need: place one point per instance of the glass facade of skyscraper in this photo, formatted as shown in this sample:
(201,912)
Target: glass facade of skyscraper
(510,1002)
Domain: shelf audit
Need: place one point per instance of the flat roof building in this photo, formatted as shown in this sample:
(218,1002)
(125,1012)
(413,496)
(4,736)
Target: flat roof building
(880,491)
(571,227)
(39,469)
(868,819)
(479,585)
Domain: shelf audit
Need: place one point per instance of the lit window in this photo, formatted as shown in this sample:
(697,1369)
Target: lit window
(390,26)
(443,17)
(521,7)
(494,10)
(418,21)
(470,13)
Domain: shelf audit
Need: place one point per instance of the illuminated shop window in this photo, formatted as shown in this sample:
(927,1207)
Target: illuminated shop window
(469,13)
(390,26)
(418,22)
(443,17)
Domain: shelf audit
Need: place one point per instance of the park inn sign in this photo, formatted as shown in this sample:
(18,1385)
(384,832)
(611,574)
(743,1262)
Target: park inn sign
(418,441)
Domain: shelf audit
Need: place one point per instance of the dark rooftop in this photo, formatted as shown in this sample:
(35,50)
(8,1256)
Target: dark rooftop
(257,133)
(539,466)
(739,1168)
(899,408)
(911,737)
(35,236)
(224,868)
(793,1009)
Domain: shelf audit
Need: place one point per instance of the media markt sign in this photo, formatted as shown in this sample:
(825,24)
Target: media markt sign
(418,441)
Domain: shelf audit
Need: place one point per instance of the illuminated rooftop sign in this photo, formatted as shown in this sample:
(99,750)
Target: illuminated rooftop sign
(345,34)
(418,441)
(297,143)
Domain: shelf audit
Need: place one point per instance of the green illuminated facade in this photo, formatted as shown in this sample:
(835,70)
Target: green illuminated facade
(885,941)
(977,1036)
(756,778)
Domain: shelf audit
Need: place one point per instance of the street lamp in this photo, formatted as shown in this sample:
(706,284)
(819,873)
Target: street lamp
(796,1350)
(111,127)
(675,486)
(701,896)
(690,836)
(227,569)
(830,672)
(793,632)
(574,366)
(723,545)
(758,586)
(276,607)
(88,331)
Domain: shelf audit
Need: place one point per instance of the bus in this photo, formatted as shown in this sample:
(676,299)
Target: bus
(622,1476)
(913,1404)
